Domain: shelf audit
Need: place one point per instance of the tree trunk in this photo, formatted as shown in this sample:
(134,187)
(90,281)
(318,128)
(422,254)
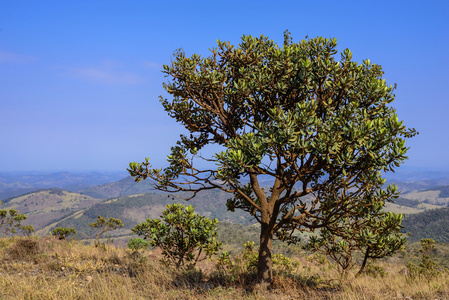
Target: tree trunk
(363,263)
(265,264)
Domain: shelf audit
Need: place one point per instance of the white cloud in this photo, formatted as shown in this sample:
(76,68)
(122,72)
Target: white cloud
(108,72)
(152,65)
(10,57)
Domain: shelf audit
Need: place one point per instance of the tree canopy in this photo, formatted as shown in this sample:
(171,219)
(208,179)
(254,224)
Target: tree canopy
(321,128)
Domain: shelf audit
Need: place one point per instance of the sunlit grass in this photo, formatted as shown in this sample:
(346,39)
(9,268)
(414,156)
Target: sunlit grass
(71,270)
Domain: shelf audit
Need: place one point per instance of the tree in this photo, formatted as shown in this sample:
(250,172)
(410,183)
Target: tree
(182,235)
(63,232)
(321,129)
(11,220)
(27,230)
(102,226)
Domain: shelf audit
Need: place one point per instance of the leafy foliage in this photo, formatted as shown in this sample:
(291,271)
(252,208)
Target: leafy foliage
(429,224)
(293,113)
(102,226)
(182,235)
(11,220)
(375,236)
(63,232)
(138,244)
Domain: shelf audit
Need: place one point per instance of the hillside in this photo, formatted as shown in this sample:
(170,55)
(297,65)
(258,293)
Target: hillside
(13,184)
(46,206)
(444,191)
(135,209)
(125,187)
(429,224)
(133,203)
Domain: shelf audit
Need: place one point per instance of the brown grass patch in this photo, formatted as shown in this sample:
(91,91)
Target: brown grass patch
(51,269)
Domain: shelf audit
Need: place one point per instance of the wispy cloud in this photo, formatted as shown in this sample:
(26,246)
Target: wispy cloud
(10,57)
(152,65)
(108,72)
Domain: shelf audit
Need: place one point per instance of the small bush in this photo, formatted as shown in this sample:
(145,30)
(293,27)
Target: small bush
(184,237)
(63,232)
(375,271)
(23,248)
(244,265)
(427,267)
(102,226)
(138,244)
(10,221)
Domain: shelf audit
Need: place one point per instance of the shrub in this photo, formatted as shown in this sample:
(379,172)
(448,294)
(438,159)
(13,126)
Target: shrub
(23,248)
(63,232)
(10,221)
(102,226)
(427,267)
(138,244)
(183,236)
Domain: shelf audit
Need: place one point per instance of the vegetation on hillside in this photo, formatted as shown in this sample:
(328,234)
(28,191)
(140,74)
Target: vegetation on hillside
(444,191)
(49,268)
(429,224)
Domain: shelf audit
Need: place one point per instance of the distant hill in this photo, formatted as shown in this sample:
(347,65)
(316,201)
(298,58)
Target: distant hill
(46,206)
(14,184)
(134,202)
(444,191)
(125,187)
(433,197)
(413,186)
(135,209)
(429,224)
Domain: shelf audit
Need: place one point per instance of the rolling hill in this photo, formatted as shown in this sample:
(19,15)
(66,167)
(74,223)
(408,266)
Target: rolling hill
(124,187)
(135,209)
(133,202)
(47,206)
(13,184)
(429,224)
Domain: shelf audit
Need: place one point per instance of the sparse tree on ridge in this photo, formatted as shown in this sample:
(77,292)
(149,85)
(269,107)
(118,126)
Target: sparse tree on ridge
(102,226)
(321,128)
(62,232)
(11,220)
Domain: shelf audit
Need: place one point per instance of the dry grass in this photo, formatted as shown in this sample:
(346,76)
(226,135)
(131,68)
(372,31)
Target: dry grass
(47,268)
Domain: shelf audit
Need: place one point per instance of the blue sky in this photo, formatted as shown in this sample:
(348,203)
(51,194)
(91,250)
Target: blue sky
(80,80)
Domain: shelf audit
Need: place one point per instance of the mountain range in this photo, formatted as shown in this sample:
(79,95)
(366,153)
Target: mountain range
(424,204)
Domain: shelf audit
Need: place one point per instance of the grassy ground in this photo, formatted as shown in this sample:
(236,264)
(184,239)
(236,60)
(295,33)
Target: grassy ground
(46,268)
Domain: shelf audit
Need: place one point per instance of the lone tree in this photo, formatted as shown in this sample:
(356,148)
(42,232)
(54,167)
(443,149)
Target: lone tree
(102,226)
(10,220)
(322,129)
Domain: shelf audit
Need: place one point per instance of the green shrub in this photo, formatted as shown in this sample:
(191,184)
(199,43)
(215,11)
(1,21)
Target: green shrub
(102,226)
(183,236)
(10,221)
(63,232)
(427,267)
(375,271)
(138,244)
